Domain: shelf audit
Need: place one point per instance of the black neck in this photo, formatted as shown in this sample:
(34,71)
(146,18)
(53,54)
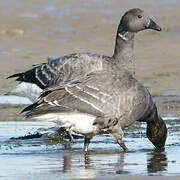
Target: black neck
(124,51)
(157,131)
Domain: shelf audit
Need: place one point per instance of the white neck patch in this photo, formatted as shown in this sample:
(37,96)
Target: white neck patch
(148,23)
(123,36)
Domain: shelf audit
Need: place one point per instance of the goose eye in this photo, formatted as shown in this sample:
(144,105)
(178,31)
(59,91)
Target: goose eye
(139,16)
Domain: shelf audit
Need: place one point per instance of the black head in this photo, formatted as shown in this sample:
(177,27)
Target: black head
(136,20)
(157,131)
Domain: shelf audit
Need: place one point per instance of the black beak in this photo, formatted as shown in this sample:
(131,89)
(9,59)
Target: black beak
(153,25)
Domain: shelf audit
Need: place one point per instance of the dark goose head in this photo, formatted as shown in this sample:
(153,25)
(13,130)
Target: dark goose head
(136,20)
(133,21)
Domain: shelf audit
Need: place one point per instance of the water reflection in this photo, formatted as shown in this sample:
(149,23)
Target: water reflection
(119,169)
(67,163)
(68,160)
(87,162)
(116,163)
(156,162)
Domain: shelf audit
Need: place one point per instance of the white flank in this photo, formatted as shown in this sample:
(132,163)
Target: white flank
(29,90)
(78,122)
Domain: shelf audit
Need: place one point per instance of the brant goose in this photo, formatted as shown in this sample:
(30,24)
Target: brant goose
(100,103)
(69,67)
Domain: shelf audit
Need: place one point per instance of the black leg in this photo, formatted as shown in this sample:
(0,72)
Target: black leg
(86,143)
(70,136)
(117,133)
(122,145)
(60,131)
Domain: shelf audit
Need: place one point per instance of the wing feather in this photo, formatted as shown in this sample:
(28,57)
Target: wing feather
(102,94)
(60,70)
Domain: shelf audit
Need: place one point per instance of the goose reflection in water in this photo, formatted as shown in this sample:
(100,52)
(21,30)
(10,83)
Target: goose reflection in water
(156,162)
(89,164)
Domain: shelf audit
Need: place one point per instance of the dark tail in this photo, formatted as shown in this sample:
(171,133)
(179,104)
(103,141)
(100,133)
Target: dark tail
(29,77)
(15,75)
(34,105)
(30,107)
(35,110)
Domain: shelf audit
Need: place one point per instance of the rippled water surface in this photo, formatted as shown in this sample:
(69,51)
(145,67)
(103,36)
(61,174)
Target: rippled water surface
(33,30)
(33,158)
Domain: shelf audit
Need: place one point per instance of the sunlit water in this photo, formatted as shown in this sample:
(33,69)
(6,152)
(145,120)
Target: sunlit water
(33,158)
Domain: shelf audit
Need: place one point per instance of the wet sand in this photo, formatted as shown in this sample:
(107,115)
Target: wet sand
(33,30)
(31,33)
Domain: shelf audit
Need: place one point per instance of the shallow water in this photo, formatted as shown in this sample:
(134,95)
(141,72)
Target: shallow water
(33,30)
(33,158)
